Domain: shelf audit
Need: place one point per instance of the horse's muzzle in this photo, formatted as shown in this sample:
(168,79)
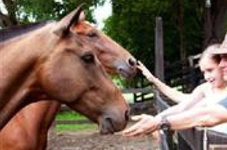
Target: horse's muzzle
(127,68)
(110,125)
(132,62)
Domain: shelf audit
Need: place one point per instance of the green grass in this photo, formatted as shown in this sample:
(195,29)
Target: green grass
(76,127)
(71,115)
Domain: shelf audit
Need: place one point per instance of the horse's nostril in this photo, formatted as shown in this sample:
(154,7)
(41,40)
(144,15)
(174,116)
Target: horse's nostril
(127,114)
(132,62)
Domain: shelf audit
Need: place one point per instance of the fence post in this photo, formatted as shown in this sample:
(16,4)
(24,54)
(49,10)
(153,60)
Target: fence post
(167,141)
(159,54)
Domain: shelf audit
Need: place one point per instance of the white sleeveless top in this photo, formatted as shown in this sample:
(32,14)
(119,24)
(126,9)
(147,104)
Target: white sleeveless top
(212,98)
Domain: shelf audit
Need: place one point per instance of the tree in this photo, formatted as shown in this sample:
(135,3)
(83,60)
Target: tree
(132,25)
(27,11)
(10,18)
(215,15)
(189,26)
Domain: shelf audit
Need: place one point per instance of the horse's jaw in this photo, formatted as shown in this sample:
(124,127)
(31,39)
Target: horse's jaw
(106,127)
(109,126)
(125,74)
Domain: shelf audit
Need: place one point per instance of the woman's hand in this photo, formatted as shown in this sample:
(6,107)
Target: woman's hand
(146,124)
(145,71)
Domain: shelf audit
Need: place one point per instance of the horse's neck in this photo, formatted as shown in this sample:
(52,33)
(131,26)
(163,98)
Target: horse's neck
(13,32)
(19,56)
(43,115)
(17,72)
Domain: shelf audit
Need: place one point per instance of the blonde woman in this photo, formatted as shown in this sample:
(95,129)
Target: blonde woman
(204,96)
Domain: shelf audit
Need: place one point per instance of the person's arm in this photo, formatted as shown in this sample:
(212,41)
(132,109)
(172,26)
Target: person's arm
(147,124)
(195,117)
(178,108)
(198,117)
(196,99)
(173,94)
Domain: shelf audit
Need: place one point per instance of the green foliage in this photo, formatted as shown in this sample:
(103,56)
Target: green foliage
(77,127)
(118,82)
(133,22)
(72,115)
(41,10)
(69,115)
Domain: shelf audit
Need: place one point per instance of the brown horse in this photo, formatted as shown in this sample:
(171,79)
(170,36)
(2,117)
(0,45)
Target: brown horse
(33,127)
(60,68)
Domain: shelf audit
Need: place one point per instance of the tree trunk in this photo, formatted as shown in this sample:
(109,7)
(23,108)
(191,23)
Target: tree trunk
(215,22)
(9,19)
(181,29)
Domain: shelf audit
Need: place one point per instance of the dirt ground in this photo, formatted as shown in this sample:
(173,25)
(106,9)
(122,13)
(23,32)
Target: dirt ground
(92,140)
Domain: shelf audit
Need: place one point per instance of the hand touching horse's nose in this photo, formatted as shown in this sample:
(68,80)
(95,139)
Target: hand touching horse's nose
(132,62)
(146,124)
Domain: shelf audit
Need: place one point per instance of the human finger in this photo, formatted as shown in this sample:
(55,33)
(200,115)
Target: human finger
(133,130)
(136,132)
(136,117)
(136,125)
(143,69)
(140,63)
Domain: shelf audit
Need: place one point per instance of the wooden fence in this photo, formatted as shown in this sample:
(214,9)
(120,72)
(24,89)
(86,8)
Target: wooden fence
(187,77)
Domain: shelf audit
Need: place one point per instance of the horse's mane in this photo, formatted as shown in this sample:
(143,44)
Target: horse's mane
(8,33)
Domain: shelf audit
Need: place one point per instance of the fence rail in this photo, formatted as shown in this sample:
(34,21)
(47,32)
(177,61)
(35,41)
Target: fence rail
(191,139)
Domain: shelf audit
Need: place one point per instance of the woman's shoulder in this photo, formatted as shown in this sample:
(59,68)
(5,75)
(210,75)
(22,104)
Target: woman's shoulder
(204,87)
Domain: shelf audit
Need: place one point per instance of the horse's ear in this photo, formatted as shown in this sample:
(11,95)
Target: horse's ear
(62,27)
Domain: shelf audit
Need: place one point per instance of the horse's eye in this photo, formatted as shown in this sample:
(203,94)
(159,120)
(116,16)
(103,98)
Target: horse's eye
(88,58)
(92,34)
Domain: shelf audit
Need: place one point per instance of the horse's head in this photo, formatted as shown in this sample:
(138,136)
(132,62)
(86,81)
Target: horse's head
(112,56)
(72,74)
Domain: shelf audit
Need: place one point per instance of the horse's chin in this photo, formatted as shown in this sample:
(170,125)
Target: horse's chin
(126,74)
(107,127)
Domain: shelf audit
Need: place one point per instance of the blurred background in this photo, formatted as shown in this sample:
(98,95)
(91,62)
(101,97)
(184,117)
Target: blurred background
(188,26)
